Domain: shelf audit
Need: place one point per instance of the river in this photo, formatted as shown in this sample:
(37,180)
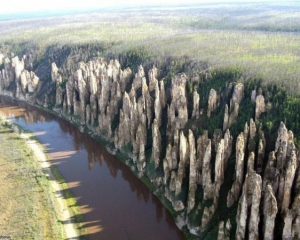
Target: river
(115,203)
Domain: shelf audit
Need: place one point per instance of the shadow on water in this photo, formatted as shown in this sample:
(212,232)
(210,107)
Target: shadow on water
(114,202)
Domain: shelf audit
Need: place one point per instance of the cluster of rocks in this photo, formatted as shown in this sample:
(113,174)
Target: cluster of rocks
(15,77)
(147,120)
(231,112)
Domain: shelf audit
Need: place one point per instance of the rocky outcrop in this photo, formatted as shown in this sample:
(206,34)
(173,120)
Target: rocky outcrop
(234,192)
(231,112)
(196,99)
(260,106)
(251,162)
(211,189)
(271,174)
(288,222)
(206,173)
(18,66)
(208,213)
(212,102)
(193,172)
(224,230)
(288,182)
(14,73)
(29,82)
(57,79)
(282,137)
(158,126)
(253,95)
(270,212)
(183,157)
(139,77)
(260,152)
(124,78)
(226,118)
(286,167)
(177,110)
(55,75)
(219,165)
(157,105)
(152,78)
(248,207)
(237,94)
(202,144)
(162,94)
(234,112)
(228,139)
(1,58)
(156,147)
(7,75)
(167,164)
(252,129)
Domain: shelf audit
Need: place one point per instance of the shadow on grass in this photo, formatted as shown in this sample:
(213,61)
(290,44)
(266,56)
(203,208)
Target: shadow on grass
(83,225)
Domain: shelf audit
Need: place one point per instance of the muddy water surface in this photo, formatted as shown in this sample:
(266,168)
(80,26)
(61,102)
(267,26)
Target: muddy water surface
(115,203)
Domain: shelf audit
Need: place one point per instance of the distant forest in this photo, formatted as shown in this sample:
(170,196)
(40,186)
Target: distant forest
(260,38)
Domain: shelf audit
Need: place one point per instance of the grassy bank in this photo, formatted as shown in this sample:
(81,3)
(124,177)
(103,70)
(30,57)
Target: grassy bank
(71,203)
(28,203)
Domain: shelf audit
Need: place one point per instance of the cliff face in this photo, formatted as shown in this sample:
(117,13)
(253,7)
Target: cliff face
(151,122)
(16,81)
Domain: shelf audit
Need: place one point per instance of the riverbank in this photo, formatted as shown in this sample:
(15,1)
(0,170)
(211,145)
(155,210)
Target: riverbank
(34,204)
(94,177)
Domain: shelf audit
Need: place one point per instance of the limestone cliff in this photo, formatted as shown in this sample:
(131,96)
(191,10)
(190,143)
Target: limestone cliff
(260,106)
(196,99)
(14,75)
(231,112)
(232,179)
(248,208)
(212,102)
(270,212)
(234,192)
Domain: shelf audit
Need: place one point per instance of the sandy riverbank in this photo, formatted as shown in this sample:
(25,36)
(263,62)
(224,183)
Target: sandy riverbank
(23,162)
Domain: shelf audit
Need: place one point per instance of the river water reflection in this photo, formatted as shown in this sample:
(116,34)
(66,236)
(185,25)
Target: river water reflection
(115,203)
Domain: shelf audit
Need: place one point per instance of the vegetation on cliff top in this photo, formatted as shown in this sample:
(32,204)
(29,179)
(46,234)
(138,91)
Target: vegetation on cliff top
(261,38)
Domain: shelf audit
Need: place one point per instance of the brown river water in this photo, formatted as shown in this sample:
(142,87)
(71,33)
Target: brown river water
(115,203)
